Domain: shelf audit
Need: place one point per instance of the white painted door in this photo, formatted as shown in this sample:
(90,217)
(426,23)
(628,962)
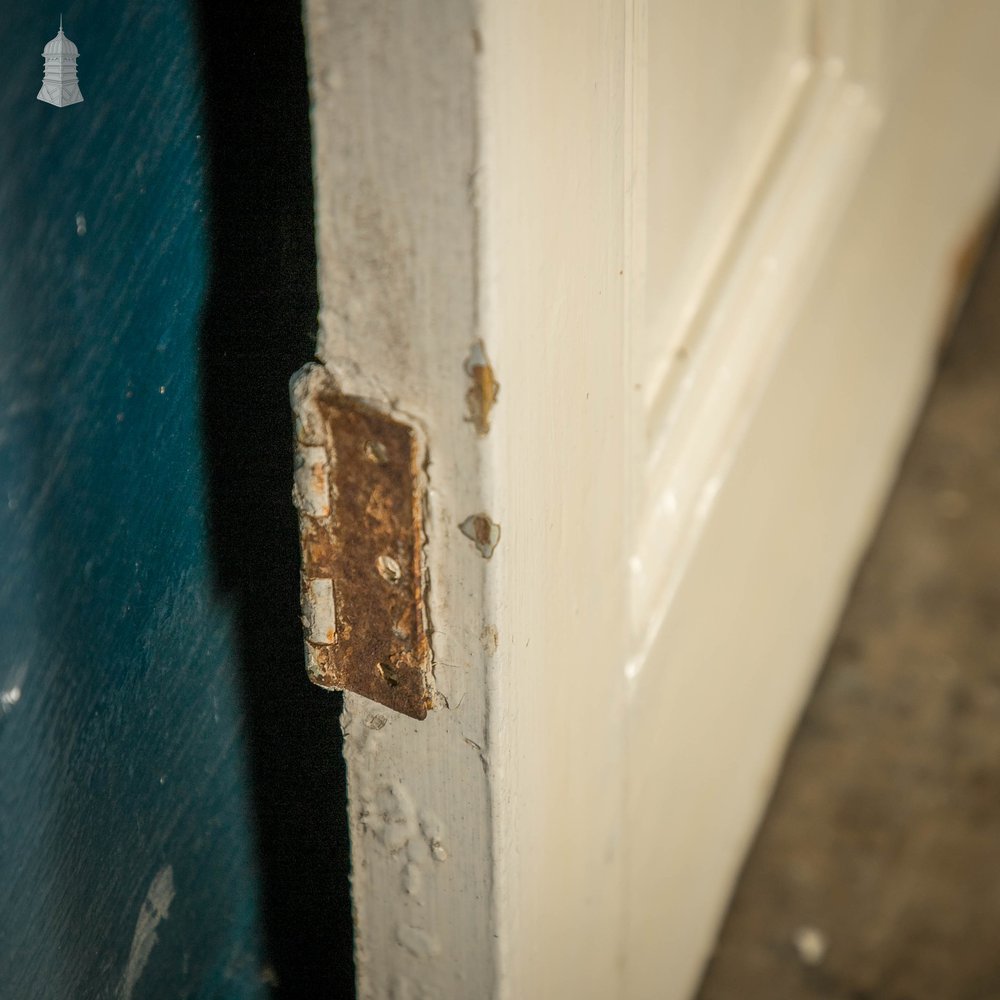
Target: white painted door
(705,249)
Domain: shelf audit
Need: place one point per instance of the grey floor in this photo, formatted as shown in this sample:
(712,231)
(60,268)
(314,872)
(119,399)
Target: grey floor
(876,873)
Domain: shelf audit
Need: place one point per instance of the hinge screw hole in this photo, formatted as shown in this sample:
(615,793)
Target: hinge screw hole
(375,452)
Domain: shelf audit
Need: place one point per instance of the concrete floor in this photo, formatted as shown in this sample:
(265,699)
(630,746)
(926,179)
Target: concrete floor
(876,874)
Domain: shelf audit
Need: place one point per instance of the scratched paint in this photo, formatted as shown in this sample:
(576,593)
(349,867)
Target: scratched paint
(155,908)
(388,813)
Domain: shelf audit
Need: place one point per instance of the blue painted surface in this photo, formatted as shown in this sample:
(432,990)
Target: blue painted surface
(123,730)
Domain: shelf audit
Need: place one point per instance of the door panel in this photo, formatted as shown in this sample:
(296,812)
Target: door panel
(833,377)
(723,80)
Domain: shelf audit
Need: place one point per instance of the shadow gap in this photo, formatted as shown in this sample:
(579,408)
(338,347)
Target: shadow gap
(258,326)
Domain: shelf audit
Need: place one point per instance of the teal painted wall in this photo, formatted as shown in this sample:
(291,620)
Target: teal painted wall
(157,286)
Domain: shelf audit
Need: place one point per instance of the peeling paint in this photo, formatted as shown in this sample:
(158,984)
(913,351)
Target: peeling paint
(484,532)
(484,390)
(319,614)
(155,908)
(312,485)
(390,815)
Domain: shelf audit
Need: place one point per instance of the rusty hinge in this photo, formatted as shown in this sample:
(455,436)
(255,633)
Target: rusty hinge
(358,490)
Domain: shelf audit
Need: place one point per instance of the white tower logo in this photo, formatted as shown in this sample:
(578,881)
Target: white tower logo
(59,86)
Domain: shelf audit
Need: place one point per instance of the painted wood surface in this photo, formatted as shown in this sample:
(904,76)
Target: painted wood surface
(826,331)
(553,314)
(394,125)
(159,743)
(708,360)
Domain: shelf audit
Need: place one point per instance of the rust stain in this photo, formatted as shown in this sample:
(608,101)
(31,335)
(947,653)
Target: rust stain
(484,390)
(362,548)
(484,532)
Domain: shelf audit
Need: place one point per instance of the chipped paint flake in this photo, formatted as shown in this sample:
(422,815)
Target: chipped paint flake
(312,485)
(319,611)
(484,390)
(484,532)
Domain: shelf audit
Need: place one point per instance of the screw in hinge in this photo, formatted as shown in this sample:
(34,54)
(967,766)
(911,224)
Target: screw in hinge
(389,569)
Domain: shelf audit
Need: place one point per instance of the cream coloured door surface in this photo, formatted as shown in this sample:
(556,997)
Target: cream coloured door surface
(706,250)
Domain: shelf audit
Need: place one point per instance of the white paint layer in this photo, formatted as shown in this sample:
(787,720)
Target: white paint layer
(553,292)
(775,522)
